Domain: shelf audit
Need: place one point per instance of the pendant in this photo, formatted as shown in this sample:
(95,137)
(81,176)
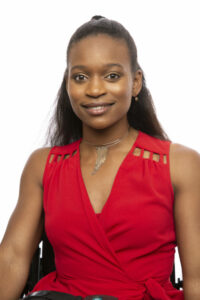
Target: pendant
(101,158)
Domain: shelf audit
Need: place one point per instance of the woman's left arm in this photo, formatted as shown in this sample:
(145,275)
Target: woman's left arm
(185,176)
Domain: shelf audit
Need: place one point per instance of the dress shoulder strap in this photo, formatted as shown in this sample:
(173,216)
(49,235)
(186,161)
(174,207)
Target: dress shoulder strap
(152,148)
(59,150)
(152,144)
(57,154)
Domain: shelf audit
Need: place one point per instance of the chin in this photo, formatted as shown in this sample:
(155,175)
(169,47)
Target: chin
(100,123)
(99,126)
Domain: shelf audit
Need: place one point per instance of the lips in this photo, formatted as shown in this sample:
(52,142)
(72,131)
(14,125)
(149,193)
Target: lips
(89,105)
(97,108)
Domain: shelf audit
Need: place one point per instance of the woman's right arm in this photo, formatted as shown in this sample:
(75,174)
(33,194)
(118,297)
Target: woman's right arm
(24,229)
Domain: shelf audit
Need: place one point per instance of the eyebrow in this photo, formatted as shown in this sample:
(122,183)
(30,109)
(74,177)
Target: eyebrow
(105,66)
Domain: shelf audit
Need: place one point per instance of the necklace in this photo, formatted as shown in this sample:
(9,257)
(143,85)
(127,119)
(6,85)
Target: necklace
(102,151)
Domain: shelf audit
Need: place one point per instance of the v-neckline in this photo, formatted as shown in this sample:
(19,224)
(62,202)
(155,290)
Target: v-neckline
(84,189)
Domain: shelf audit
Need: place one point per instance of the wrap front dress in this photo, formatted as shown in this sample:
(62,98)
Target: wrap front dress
(127,251)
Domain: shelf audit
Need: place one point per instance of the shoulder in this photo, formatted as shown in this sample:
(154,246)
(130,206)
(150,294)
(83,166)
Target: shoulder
(37,160)
(184,166)
(39,156)
(35,165)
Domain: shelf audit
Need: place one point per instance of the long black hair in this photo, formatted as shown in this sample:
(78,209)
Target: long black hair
(65,127)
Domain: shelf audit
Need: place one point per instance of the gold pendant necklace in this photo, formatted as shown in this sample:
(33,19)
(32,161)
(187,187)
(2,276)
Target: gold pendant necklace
(102,151)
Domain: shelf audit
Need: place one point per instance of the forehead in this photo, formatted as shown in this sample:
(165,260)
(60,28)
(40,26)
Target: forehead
(98,50)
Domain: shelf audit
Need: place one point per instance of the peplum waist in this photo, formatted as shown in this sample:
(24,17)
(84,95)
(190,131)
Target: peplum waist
(152,288)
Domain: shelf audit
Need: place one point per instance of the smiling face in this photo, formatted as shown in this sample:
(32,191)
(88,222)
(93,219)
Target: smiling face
(100,82)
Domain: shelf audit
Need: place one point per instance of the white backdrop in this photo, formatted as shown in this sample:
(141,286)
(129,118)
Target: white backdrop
(34,36)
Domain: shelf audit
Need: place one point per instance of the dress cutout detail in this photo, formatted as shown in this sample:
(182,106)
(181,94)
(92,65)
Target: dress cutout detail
(127,251)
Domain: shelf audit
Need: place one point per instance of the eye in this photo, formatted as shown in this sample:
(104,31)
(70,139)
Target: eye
(113,76)
(79,77)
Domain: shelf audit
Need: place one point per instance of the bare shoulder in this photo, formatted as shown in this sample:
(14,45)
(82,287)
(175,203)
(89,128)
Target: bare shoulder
(40,155)
(181,152)
(184,165)
(35,164)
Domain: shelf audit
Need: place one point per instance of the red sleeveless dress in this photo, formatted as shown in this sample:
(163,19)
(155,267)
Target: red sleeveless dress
(128,250)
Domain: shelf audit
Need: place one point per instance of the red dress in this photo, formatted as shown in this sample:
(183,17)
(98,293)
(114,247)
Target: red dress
(128,250)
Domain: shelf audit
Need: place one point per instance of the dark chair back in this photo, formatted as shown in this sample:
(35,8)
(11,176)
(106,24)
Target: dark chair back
(41,265)
(47,259)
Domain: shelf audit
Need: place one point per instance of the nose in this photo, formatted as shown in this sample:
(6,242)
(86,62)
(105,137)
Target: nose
(95,87)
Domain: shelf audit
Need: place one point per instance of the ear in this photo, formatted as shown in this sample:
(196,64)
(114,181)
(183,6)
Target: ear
(137,82)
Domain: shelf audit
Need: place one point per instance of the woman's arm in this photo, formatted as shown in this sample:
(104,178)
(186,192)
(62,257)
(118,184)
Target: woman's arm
(185,175)
(24,229)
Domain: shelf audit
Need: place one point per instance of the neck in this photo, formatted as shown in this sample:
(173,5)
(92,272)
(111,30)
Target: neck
(104,136)
(109,144)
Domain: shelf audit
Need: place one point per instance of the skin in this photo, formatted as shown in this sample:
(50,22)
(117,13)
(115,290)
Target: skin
(26,223)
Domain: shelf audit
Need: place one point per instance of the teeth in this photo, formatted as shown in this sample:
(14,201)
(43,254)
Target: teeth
(97,107)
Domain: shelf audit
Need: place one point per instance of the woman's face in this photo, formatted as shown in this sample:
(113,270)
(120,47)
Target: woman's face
(100,83)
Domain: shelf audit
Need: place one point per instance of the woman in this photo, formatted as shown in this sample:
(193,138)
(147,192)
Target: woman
(118,195)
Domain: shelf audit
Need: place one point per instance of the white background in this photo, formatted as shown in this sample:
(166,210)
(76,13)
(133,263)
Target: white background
(33,41)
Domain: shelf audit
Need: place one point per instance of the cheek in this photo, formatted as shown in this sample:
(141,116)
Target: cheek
(74,96)
(123,91)
(124,96)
